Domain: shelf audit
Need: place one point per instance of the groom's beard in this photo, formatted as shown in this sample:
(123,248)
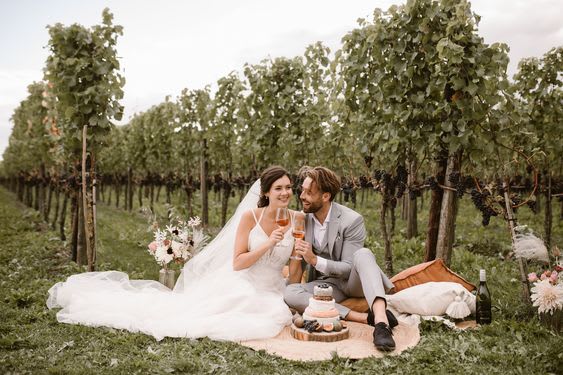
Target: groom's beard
(312,208)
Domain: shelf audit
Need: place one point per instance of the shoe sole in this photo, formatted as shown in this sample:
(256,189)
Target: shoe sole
(385,348)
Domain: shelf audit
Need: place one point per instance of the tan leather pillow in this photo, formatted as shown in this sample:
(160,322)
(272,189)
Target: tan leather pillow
(434,270)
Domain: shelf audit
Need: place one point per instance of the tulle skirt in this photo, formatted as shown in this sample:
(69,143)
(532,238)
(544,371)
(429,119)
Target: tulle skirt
(227,305)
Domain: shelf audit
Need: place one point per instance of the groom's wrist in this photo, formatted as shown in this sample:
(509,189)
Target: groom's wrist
(314,261)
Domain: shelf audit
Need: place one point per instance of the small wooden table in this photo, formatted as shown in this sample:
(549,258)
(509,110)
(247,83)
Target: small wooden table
(303,335)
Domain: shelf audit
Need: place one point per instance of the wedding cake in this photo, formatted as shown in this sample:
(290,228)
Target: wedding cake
(322,306)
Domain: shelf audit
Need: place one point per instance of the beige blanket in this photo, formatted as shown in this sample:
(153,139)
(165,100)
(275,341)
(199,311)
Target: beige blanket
(358,345)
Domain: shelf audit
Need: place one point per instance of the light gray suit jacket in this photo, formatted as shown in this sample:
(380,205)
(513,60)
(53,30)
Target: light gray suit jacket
(346,233)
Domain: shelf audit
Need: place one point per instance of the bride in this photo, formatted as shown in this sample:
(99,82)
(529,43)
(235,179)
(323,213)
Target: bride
(232,290)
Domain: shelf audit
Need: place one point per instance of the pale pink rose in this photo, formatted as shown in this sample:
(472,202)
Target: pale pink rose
(532,277)
(545,275)
(553,277)
(152,246)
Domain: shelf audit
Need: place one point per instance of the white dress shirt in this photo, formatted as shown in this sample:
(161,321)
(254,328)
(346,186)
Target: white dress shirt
(319,231)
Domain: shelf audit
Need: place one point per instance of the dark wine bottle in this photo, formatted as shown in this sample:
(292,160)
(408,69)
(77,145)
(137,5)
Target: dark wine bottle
(483,308)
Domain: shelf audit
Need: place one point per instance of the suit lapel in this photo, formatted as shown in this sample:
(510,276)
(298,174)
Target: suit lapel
(333,226)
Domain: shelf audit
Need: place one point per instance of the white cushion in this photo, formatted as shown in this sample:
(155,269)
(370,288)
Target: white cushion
(432,298)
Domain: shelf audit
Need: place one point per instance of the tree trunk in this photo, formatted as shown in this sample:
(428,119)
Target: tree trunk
(75,209)
(152,197)
(109,195)
(140,195)
(37,195)
(81,250)
(21,189)
(168,197)
(158,193)
(47,210)
(385,232)
(102,192)
(225,203)
(446,231)
(203,182)
(521,262)
(434,210)
(130,189)
(63,217)
(412,227)
(28,200)
(88,180)
(404,208)
(392,216)
(189,201)
(548,218)
(56,210)
(117,193)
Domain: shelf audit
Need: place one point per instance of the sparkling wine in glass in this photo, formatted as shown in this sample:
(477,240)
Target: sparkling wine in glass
(282,217)
(299,226)
(298,229)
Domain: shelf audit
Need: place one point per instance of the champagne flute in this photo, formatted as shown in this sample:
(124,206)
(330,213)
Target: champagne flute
(282,219)
(298,230)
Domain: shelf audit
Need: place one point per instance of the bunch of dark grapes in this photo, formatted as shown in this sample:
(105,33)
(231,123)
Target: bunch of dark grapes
(480,201)
(378,174)
(532,205)
(459,183)
(431,181)
(347,191)
(401,180)
(515,200)
(414,192)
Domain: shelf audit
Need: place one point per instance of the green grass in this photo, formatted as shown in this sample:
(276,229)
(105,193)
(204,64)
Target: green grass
(32,259)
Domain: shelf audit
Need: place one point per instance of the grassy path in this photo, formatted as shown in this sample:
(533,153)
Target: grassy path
(32,259)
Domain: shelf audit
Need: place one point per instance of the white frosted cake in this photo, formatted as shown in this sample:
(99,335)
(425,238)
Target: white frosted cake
(322,306)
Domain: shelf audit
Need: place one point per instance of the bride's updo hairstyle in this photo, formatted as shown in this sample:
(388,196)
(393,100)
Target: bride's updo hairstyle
(267,178)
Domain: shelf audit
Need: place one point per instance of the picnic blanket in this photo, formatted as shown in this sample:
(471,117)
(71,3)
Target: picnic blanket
(358,345)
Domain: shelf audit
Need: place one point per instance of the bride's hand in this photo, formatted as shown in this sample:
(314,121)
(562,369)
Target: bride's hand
(276,236)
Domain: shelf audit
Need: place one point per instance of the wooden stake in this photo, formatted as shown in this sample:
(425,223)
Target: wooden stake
(511,224)
(85,200)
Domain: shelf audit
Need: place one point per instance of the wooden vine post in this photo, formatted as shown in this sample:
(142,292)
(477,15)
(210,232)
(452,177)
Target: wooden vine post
(511,225)
(82,70)
(89,227)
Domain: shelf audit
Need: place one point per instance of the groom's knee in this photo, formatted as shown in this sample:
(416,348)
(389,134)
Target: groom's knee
(293,296)
(361,255)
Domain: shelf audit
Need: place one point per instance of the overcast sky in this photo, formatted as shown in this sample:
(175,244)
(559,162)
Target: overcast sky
(170,45)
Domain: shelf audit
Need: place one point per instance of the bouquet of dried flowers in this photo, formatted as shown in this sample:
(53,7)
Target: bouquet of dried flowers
(178,242)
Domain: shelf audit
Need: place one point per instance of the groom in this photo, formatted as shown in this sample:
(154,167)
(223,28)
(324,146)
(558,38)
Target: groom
(334,247)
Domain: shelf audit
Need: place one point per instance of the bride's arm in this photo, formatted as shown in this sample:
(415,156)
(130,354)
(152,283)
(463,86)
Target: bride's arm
(242,258)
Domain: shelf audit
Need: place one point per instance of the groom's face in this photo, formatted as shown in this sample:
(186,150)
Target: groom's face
(311,196)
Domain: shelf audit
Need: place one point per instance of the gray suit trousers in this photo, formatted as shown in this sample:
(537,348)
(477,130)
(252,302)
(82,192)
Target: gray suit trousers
(366,280)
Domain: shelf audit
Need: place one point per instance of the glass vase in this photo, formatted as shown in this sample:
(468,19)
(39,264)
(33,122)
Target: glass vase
(166,277)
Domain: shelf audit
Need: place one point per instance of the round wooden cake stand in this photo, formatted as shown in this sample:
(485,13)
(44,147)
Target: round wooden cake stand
(303,335)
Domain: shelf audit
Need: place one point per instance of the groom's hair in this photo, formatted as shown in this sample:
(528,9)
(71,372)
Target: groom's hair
(326,180)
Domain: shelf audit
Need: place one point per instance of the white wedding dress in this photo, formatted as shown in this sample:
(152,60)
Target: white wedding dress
(209,299)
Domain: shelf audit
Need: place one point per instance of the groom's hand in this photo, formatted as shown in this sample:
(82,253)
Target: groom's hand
(305,249)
